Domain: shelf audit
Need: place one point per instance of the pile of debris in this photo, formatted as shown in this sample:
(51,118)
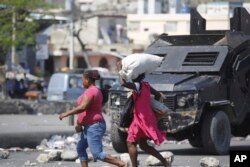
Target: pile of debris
(4,154)
(62,148)
(24,106)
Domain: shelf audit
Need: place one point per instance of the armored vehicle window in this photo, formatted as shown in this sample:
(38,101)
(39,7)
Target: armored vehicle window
(161,55)
(200,59)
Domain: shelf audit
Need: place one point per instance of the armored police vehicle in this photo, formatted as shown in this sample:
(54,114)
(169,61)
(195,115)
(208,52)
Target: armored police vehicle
(206,78)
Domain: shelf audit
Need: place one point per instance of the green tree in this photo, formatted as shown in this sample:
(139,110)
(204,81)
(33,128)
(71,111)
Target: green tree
(15,20)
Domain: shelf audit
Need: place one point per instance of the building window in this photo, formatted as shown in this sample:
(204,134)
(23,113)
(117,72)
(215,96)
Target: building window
(170,26)
(81,63)
(134,26)
(103,63)
(145,9)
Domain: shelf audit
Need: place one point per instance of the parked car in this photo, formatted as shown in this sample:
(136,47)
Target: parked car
(64,86)
(68,85)
(107,78)
(206,78)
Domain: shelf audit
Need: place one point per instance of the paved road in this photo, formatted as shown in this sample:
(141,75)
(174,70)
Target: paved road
(29,130)
(185,156)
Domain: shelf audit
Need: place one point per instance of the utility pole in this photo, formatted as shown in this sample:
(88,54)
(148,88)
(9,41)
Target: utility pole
(71,53)
(13,47)
(69,9)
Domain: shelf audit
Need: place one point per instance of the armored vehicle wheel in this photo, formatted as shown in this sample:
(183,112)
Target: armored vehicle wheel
(195,141)
(216,133)
(118,139)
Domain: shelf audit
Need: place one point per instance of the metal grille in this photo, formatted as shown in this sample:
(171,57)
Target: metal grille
(123,100)
(170,102)
(200,59)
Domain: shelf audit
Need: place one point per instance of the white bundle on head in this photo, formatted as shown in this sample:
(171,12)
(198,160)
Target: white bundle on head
(135,64)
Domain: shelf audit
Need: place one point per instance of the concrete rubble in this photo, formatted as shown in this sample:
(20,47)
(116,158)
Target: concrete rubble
(247,138)
(43,158)
(152,161)
(59,148)
(54,155)
(125,158)
(4,154)
(63,148)
(69,155)
(59,142)
(20,106)
(29,163)
(209,162)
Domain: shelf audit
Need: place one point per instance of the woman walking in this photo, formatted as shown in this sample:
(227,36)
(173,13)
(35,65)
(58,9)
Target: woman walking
(144,125)
(88,110)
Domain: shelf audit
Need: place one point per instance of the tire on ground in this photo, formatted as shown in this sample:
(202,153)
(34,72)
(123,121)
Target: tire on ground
(118,139)
(216,133)
(195,141)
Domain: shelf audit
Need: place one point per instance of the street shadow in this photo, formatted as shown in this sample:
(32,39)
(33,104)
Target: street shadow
(240,148)
(198,151)
(184,151)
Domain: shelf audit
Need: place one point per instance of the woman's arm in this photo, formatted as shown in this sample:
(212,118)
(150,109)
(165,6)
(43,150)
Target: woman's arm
(80,108)
(129,85)
(155,93)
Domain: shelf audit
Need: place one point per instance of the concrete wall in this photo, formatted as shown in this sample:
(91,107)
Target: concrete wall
(89,33)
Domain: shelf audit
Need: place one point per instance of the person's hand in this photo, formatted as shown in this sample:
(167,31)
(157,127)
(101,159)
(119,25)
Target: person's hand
(162,97)
(63,115)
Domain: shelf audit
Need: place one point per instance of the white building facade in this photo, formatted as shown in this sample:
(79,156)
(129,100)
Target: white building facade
(141,28)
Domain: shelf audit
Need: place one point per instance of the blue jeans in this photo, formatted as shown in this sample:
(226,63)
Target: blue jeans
(92,137)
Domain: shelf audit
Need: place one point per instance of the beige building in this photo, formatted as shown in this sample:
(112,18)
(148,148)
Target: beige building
(142,28)
(105,38)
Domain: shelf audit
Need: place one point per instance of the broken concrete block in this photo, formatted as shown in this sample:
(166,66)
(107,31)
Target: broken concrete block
(209,162)
(70,140)
(15,149)
(59,145)
(77,161)
(44,142)
(4,154)
(54,155)
(43,158)
(125,158)
(69,155)
(152,161)
(28,163)
(40,148)
(28,149)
